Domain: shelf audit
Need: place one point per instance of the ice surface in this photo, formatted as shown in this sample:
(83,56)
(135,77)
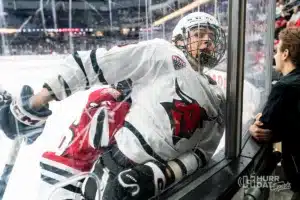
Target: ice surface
(14,72)
(33,70)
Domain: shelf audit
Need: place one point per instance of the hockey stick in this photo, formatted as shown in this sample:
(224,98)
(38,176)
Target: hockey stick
(14,151)
(13,154)
(76,178)
(12,157)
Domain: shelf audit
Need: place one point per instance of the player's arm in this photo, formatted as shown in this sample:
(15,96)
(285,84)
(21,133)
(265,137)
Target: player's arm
(274,110)
(150,179)
(81,70)
(18,118)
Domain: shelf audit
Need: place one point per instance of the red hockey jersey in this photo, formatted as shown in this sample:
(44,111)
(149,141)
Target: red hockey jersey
(75,152)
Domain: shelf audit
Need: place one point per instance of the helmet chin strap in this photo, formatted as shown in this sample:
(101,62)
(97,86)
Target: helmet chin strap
(195,65)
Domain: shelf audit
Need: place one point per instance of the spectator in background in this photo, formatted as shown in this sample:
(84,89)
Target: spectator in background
(280,118)
(281,18)
(280,24)
(279,7)
(295,17)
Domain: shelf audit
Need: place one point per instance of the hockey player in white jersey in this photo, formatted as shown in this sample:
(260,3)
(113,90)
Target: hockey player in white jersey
(175,121)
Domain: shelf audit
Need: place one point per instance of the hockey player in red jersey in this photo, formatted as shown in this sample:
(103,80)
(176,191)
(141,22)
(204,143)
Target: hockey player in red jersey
(176,118)
(76,153)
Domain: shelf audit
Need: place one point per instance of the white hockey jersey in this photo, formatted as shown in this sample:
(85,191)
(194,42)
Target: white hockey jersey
(174,108)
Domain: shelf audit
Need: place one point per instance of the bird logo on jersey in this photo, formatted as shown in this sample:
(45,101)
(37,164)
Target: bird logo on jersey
(178,63)
(185,115)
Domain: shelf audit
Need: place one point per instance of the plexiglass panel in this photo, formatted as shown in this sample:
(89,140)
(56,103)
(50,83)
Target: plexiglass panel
(37,35)
(257,78)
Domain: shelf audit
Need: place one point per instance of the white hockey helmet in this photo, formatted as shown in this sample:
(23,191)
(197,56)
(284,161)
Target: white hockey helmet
(201,20)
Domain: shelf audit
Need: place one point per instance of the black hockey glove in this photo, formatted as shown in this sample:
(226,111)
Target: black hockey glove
(125,88)
(140,182)
(5,101)
(18,117)
(37,115)
(5,98)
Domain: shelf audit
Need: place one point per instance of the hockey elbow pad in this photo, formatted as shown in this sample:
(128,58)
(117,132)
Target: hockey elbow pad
(185,165)
(150,179)
(22,119)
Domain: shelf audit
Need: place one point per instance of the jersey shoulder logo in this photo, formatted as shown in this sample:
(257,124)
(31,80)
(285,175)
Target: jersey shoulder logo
(185,115)
(178,63)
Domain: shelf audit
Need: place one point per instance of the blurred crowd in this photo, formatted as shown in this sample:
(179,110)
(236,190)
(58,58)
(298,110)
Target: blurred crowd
(287,15)
(46,45)
(134,19)
(107,27)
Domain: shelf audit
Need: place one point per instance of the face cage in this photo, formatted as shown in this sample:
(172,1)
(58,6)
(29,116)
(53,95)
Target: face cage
(205,58)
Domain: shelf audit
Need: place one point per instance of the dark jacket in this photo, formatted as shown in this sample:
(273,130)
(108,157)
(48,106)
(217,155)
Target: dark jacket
(282,115)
